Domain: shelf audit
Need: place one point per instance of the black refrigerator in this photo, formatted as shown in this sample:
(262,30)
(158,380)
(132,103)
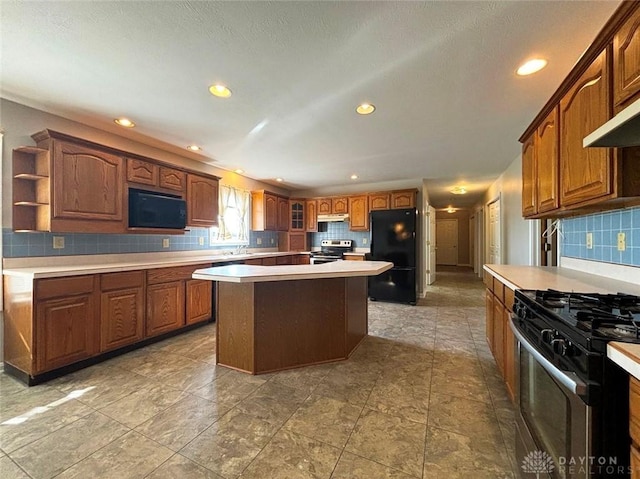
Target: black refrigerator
(393,239)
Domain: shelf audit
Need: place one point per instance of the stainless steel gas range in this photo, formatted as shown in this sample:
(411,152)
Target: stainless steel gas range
(331,250)
(572,401)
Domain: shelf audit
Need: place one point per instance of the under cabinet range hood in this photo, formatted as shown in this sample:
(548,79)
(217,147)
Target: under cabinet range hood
(333,217)
(621,131)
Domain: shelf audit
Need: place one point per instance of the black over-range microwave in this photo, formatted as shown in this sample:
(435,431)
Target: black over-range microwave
(148,209)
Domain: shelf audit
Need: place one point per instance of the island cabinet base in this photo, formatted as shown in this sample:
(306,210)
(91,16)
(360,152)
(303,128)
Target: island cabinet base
(271,326)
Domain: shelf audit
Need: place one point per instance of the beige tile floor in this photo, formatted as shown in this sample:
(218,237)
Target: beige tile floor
(420,398)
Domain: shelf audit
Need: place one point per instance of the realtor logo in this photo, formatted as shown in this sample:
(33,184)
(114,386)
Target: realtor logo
(537,462)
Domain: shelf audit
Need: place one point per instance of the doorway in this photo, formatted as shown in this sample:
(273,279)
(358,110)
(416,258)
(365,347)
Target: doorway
(447,242)
(431,245)
(495,233)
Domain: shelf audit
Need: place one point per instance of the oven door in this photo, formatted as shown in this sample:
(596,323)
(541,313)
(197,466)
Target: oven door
(321,260)
(553,424)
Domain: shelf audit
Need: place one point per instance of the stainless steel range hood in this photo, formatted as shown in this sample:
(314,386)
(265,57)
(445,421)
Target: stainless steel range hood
(333,217)
(622,130)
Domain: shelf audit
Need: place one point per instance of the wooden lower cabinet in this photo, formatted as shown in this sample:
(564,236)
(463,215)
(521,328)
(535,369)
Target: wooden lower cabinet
(634,425)
(165,307)
(199,300)
(65,328)
(121,309)
(499,303)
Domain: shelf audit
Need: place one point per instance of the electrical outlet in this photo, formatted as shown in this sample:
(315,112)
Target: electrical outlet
(165,242)
(365,240)
(201,240)
(273,241)
(58,242)
(589,240)
(622,241)
(258,240)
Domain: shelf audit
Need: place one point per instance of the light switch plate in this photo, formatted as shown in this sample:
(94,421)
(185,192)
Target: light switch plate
(201,240)
(589,240)
(165,242)
(259,241)
(622,241)
(58,242)
(365,240)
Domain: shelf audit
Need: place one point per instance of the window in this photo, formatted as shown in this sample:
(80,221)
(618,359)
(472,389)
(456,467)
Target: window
(233,219)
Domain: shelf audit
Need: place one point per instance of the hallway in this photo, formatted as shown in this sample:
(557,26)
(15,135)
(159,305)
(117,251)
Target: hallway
(420,398)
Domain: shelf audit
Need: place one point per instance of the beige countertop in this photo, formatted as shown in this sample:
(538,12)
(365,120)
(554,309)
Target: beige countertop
(256,274)
(561,279)
(625,355)
(131,263)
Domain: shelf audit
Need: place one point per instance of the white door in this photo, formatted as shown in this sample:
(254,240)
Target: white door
(495,244)
(431,245)
(447,242)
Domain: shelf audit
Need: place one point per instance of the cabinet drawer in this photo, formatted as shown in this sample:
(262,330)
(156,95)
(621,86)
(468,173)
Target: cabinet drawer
(634,410)
(127,279)
(509,298)
(57,287)
(498,289)
(165,275)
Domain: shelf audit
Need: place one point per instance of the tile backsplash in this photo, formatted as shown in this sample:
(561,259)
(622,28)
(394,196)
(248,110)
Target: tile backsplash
(15,245)
(340,230)
(604,229)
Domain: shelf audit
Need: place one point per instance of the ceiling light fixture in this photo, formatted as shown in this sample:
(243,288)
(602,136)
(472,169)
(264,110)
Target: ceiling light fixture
(194,148)
(354,177)
(124,122)
(531,66)
(239,171)
(279,180)
(451,210)
(459,190)
(220,91)
(365,108)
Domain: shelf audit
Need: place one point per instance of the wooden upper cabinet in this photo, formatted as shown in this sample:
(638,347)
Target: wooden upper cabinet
(585,172)
(311,219)
(142,172)
(529,177)
(174,179)
(283,214)
(324,206)
(626,62)
(339,205)
(202,201)
(379,201)
(403,199)
(297,215)
(359,213)
(264,211)
(88,183)
(546,164)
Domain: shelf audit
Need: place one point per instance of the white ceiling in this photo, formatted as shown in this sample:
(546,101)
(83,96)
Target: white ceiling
(441,74)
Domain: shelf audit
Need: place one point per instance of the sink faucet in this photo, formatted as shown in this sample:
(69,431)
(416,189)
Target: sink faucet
(241,249)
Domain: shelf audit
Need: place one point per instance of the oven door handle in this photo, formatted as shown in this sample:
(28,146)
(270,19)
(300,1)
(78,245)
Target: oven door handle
(570,380)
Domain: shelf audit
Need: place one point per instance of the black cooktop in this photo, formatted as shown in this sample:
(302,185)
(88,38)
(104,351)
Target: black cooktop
(595,315)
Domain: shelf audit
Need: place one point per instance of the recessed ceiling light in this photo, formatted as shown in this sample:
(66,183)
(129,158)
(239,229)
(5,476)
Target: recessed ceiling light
(459,190)
(125,122)
(354,177)
(239,171)
(220,91)
(194,148)
(531,66)
(279,180)
(365,108)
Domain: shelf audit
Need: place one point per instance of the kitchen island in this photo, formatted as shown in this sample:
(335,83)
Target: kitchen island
(271,318)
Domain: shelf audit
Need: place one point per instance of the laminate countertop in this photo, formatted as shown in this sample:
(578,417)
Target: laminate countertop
(561,279)
(254,274)
(78,268)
